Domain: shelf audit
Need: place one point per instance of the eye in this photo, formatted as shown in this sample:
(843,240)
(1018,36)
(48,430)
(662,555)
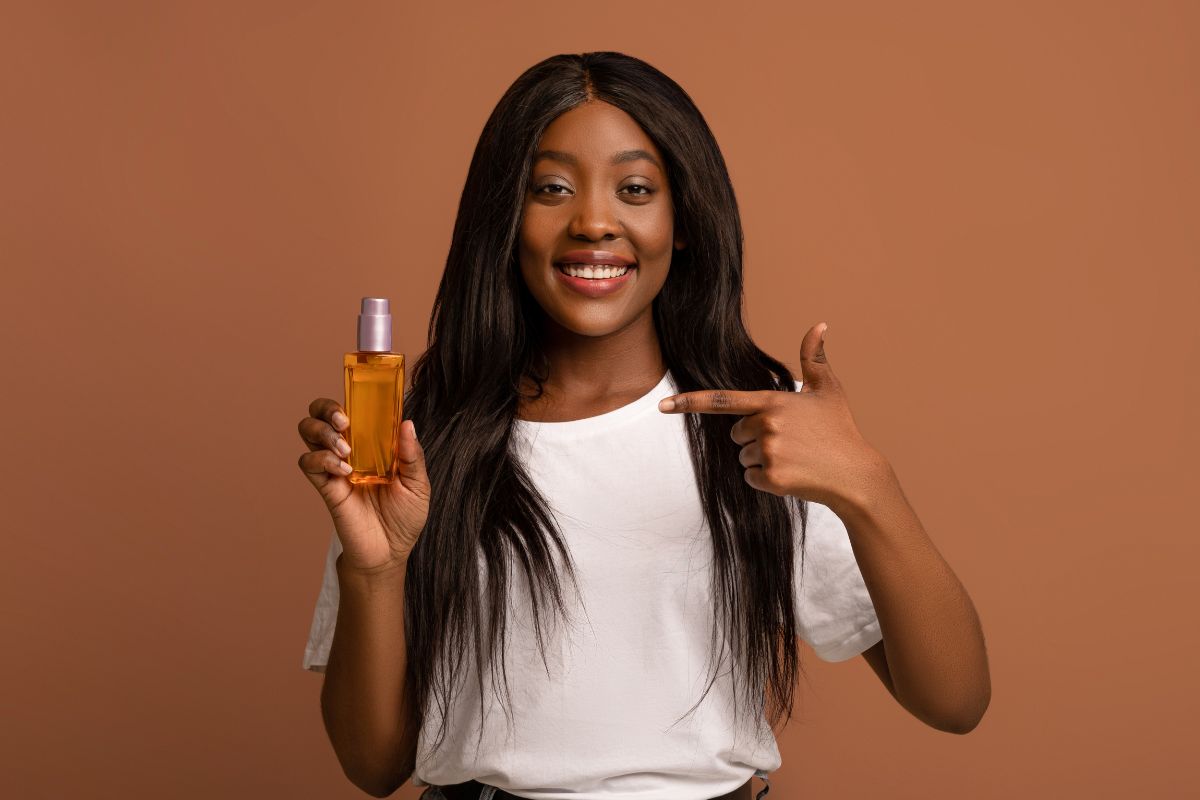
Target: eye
(645,189)
(540,189)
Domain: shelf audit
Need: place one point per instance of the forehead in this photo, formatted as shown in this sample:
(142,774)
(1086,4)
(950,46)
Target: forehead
(596,132)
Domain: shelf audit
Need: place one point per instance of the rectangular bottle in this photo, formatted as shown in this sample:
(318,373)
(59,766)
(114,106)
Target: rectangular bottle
(374,397)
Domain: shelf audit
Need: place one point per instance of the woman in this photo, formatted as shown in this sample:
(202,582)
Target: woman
(596,268)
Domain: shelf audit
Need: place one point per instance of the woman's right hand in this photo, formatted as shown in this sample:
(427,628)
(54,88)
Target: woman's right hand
(378,524)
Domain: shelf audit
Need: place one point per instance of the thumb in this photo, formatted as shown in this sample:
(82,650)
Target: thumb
(814,367)
(411,472)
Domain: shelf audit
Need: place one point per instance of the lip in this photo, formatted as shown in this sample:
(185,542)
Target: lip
(594,257)
(595,287)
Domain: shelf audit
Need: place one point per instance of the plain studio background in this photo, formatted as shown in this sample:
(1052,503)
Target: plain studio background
(994,209)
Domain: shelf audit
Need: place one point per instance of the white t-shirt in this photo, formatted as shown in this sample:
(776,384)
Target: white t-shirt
(637,656)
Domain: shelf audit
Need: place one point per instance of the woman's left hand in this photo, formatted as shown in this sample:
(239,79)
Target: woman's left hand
(806,443)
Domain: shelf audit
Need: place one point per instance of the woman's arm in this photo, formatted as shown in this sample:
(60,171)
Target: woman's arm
(363,699)
(806,444)
(932,657)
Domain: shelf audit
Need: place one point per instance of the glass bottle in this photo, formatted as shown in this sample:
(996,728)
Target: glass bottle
(374,378)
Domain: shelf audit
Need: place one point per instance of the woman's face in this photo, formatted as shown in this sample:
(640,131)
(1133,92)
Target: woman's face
(598,191)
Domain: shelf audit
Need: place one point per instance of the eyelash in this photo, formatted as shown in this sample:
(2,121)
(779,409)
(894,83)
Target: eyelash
(648,191)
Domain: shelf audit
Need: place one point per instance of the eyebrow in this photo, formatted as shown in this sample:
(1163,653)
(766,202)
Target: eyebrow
(619,158)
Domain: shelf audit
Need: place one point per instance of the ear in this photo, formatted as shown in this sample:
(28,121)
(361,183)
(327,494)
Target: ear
(680,242)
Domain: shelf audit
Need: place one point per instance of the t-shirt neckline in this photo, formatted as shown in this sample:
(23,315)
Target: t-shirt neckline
(573,427)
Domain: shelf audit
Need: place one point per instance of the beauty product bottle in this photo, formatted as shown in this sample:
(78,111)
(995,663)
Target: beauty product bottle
(374,396)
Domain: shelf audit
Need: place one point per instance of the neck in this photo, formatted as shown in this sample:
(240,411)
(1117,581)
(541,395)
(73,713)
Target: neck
(588,375)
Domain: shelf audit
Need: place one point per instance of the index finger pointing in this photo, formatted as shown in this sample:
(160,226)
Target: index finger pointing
(716,401)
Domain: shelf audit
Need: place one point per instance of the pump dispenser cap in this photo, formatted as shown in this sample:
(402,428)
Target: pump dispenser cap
(375,326)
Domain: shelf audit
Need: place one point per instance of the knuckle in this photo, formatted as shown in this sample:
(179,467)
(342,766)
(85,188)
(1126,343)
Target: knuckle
(720,399)
(325,409)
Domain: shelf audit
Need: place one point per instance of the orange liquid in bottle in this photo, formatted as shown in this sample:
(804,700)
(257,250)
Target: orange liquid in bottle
(374,404)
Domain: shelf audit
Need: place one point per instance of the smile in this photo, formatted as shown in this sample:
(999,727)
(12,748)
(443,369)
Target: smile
(605,279)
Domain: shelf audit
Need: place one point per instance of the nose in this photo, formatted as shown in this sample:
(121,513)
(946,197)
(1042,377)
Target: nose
(593,217)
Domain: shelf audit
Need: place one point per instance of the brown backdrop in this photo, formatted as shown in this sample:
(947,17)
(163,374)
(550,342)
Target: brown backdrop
(995,210)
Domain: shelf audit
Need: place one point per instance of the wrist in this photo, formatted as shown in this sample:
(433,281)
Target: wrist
(876,487)
(387,571)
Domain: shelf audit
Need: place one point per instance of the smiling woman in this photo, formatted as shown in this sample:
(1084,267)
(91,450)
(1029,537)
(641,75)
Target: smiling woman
(595,269)
(536,400)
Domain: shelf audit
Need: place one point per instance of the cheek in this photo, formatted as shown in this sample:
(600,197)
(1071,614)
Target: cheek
(539,228)
(529,252)
(655,234)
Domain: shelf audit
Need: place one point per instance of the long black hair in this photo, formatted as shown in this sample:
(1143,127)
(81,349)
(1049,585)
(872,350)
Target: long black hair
(485,512)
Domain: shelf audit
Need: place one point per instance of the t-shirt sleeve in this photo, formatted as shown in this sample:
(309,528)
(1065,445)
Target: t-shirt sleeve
(834,612)
(320,634)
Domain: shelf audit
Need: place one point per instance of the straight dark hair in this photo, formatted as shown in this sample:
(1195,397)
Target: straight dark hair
(484,338)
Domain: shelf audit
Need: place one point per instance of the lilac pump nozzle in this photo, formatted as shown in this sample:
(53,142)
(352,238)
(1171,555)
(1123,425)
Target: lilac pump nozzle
(375,326)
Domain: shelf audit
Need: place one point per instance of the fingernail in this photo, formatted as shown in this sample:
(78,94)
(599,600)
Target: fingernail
(340,420)
(345,467)
(412,426)
(666,404)
(343,447)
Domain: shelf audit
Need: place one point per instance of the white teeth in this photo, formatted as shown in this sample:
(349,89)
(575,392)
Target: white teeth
(593,272)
